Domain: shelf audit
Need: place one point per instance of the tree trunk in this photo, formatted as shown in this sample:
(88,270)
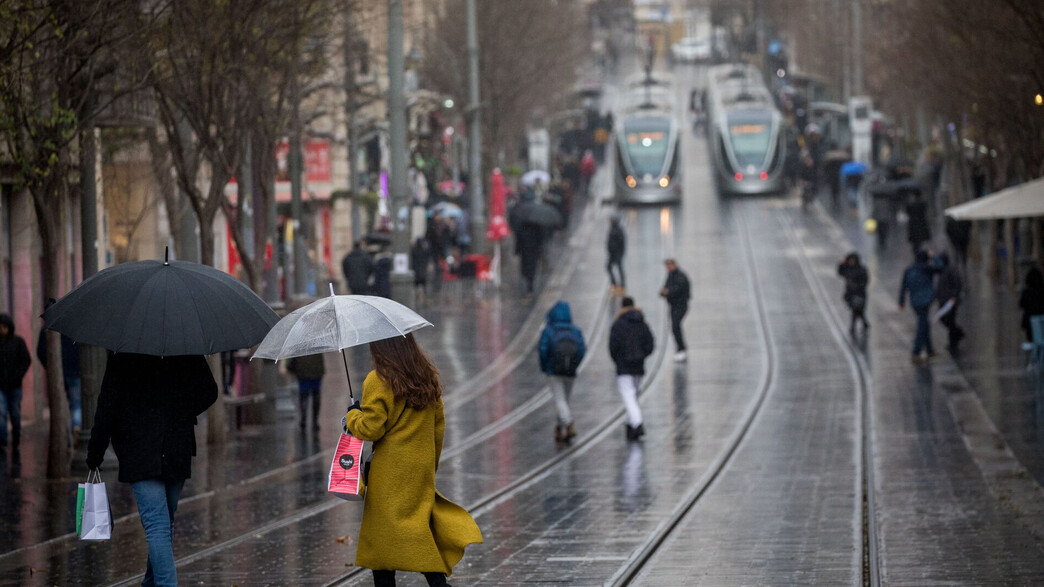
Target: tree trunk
(45,200)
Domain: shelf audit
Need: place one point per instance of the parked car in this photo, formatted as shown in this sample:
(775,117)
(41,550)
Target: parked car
(691,49)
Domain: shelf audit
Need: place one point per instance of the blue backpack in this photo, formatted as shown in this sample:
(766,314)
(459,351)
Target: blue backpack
(565,351)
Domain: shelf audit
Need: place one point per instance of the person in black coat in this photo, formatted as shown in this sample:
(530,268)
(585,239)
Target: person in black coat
(14,362)
(676,292)
(147,408)
(917,229)
(615,245)
(630,342)
(948,288)
(1031,301)
(358,268)
(856,279)
(70,371)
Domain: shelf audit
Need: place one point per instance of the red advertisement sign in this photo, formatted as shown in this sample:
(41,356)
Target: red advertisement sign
(316,159)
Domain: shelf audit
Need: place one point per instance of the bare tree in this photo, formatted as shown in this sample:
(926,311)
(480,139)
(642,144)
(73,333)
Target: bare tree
(51,56)
(531,54)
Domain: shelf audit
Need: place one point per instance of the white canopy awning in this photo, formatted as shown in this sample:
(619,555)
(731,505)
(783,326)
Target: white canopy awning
(1022,201)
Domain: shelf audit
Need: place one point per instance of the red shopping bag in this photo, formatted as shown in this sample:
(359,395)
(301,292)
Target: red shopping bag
(347,479)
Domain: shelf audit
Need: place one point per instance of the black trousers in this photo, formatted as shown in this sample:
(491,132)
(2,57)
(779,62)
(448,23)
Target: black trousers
(949,320)
(387,579)
(678,312)
(618,266)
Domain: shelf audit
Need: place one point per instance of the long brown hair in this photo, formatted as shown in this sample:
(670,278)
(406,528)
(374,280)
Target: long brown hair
(402,364)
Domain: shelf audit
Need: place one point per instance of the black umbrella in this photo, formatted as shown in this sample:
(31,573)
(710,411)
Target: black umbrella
(536,213)
(896,190)
(163,309)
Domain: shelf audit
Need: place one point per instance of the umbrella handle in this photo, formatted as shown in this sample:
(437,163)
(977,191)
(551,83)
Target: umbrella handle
(351,396)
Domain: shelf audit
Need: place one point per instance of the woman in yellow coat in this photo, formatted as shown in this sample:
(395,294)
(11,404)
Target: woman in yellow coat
(407,525)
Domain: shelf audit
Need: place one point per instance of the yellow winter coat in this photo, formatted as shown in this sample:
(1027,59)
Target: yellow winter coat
(406,525)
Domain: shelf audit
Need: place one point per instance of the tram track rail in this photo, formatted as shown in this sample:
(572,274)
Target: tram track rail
(862,377)
(866,558)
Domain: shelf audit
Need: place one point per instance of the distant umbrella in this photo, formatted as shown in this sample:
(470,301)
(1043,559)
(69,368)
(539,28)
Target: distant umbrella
(532,212)
(446,209)
(533,176)
(162,308)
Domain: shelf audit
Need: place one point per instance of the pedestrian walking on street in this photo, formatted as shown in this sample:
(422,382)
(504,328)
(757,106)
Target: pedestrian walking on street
(358,269)
(147,408)
(420,258)
(630,342)
(309,371)
(917,229)
(883,213)
(948,294)
(14,363)
(676,291)
(529,246)
(1031,301)
(382,269)
(917,281)
(616,245)
(70,371)
(959,233)
(856,279)
(407,525)
(561,349)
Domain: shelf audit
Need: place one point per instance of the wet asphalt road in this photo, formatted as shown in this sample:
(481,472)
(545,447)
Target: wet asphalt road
(765,420)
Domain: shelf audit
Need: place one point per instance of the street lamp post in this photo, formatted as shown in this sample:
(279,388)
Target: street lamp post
(477,214)
(401,277)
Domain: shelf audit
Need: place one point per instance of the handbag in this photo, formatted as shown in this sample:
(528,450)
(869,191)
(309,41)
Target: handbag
(94,520)
(348,469)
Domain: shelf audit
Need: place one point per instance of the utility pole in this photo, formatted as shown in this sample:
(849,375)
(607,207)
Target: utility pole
(401,277)
(294,166)
(92,358)
(857,48)
(350,107)
(477,214)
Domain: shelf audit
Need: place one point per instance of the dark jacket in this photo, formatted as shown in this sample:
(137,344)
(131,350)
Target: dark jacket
(70,354)
(630,342)
(677,286)
(14,357)
(358,267)
(917,280)
(949,285)
(559,317)
(617,242)
(1032,299)
(307,367)
(917,230)
(382,277)
(147,408)
(856,279)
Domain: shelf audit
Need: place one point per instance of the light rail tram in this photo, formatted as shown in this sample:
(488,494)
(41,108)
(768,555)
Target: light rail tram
(647,149)
(745,131)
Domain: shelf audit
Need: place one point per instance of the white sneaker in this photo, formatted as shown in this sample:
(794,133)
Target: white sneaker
(679,357)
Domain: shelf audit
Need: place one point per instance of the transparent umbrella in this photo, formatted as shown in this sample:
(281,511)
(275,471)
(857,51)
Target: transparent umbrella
(336,323)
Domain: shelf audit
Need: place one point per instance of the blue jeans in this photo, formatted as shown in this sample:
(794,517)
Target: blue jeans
(11,406)
(923,337)
(72,393)
(157,502)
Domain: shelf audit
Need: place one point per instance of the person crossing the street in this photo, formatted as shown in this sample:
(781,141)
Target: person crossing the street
(677,293)
(561,349)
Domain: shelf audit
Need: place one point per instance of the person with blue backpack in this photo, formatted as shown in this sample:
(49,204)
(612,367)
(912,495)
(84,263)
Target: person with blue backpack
(561,349)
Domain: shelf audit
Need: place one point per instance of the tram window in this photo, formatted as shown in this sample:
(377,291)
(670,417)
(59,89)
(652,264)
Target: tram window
(647,148)
(750,142)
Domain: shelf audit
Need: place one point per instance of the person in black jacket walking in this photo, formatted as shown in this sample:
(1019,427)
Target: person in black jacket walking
(676,292)
(948,288)
(14,362)
(630,342)
(358,269)
(615,245)
(856,278)
(147,408)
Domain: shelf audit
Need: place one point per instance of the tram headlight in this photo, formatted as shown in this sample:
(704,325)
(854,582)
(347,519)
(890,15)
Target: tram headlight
(665,181)
(631,181)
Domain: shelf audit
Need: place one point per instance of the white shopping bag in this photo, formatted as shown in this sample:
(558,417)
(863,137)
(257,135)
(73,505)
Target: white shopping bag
(96,523)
